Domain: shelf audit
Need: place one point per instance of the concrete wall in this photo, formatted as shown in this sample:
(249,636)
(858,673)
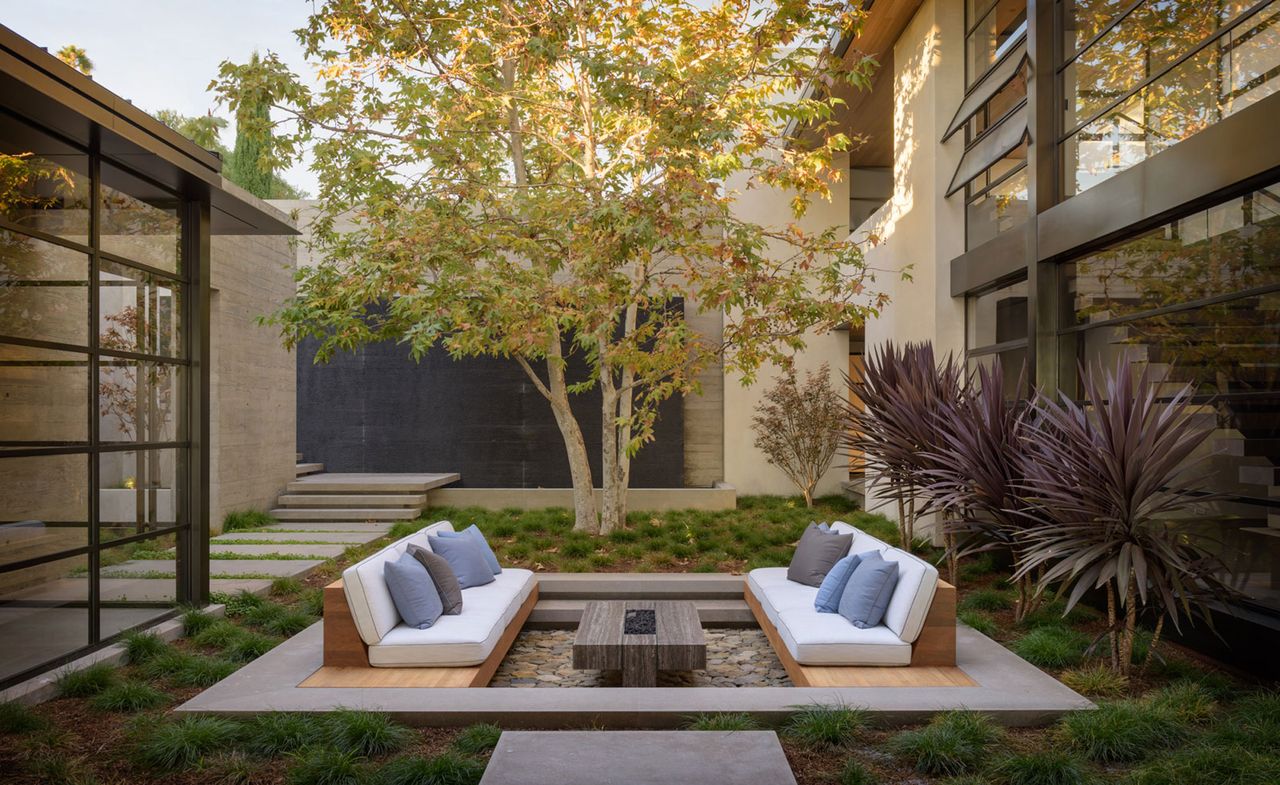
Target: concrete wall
(745,466)
(253,388)
(919,228)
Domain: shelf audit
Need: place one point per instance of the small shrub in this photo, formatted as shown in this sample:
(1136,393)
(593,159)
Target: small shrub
(722,721)
(1097,681)
(164,665)
(446,769)
(1043,767)
(1208,765)
(986,600)
(366,733)
(854,773)
(1051,647)
(128,696)
(195,620)
(326,766)
(952,743)
(245,520)
(1186,701)
(271,735)
(285,587)
(478,739)
(825,726)
(261,615)
(979,621)
(218,635)
(87,682)
(181,744)
(242,602)
(19,718)
(289,623)
(201,671)
(142,646)
(248,646)
(1121,731)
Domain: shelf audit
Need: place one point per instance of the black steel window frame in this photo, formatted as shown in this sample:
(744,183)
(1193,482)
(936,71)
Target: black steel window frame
(969,200)
(1064,133)
(186,479)
(971,352)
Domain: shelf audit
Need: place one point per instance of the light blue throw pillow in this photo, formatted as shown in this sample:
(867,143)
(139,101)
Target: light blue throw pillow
(866,596)
(413,591)
(465,557)
(475,534)
(832,588)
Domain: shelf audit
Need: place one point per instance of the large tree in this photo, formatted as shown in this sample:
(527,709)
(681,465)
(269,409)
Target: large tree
(530,179)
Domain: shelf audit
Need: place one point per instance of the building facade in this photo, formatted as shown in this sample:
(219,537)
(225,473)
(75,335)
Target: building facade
(108,221)
(1099,180)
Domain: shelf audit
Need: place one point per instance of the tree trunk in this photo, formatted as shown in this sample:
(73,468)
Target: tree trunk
(616,413)
(808,494)
(1111,627)
(1130,625)
(585,515)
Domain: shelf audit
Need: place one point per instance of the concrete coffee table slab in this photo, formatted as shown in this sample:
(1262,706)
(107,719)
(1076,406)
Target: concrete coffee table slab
(638,758)
(667,636)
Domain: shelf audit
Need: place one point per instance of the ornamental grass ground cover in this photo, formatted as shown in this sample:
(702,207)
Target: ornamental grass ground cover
(1180,720)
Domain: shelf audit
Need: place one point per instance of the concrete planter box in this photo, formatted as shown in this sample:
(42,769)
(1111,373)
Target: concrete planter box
(719,497)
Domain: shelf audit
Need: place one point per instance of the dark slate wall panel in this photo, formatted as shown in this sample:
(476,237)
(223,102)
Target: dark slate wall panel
(376,410)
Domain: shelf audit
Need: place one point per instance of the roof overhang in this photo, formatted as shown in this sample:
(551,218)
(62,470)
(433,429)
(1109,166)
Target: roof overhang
(38,86)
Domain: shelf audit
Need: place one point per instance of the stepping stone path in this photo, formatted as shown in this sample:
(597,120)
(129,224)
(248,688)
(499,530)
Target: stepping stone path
(638,758)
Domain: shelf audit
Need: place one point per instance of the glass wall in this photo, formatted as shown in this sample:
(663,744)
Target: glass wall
(996,328)
(93,391)
(1139,82)
(1198,301)
(994,27)
(996,201)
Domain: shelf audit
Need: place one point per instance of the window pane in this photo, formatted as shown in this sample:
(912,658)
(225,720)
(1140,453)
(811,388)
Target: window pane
(1232,73)
(43,182)
(138,401)
(135,586)
(993,36)
(1246,537)
(44,290)
(139,491)
(997,316)
(1000,209)
(1231,247)
(44,507)
(140,312)
(44,397)
(140,221)
(1084,19)
(1012,362)
(1000,104)
(44,613)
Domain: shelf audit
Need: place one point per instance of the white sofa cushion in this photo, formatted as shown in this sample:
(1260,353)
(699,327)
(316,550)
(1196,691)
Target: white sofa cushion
(465,639)
(814,638)
(371,606)
(862,542)
(917,583)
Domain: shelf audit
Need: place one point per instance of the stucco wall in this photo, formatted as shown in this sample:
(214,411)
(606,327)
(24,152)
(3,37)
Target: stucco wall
(252,384)
(745,466)
(920,228)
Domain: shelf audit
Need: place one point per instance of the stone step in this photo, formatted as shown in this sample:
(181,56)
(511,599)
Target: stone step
(360,482)
(267,548)
(304,469)
(373,528)
(297,457)
(358,500)
(346,514)
(232,568)
(712,613)
(333,538)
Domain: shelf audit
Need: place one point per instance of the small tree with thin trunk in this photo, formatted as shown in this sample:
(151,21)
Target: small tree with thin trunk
(799,426)
(532,179)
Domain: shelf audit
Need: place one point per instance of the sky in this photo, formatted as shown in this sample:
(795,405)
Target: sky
(162,54)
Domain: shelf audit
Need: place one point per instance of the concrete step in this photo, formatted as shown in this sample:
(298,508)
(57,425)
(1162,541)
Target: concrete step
(346,514)
(297,457)
(640,585)
(349,500)
(559,614)
(375,528)
(304,469)
(342,482)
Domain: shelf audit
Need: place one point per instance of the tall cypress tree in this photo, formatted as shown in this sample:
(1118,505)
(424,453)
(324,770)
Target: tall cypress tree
(253,128)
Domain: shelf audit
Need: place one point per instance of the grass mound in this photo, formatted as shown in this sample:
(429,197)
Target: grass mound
(477,739)
(979,621)
(445,769)
(19,718)
(366,733)
(954,742)
(87,682)
(129,696)
(326,766)
(1209,765)
(182,744)
(1045,767)
(722,721)
(142,646)
(270,735)
(854,773)
(246,520)
(1121,731)
(1051,647)
(826,726)
(1096,681)
(986,600)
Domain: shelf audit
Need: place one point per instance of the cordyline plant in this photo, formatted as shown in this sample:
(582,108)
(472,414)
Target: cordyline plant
(799,426)
(975,474)
(891,424)
(1108,477)
(529,179)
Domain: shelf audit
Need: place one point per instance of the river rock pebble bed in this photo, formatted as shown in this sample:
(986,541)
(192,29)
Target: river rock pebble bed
(735,658)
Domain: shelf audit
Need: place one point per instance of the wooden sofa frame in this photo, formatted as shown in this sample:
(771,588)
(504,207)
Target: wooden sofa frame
(346,655)
(933,654)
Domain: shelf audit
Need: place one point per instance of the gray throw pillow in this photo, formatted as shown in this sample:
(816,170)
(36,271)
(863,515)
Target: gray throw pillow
(465,559)
(870,587)
(815,555)
(442,576)
(412,591)
(474,533)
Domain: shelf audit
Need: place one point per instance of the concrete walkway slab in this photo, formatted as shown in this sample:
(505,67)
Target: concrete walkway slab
(284,568)
(335,538)
(638,758)
(266,549)
(372,528)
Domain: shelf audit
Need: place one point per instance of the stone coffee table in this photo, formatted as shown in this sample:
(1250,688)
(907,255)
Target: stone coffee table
(640,638)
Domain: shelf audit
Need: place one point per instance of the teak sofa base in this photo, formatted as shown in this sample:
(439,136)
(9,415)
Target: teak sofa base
(933,655)
(346,656)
